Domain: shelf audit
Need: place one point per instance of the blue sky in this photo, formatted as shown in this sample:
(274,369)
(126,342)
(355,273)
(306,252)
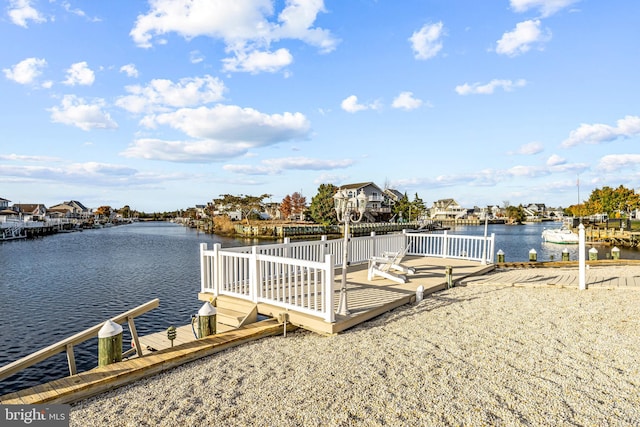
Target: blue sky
(165,104)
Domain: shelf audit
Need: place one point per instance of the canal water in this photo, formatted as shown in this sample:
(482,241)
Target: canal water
(59,285)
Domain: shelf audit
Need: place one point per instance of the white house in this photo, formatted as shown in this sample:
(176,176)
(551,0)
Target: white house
(447,209)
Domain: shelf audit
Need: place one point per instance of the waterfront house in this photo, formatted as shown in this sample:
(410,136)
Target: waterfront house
(31,211)
(70,209)
(378,208)
(447,209)
(4,203)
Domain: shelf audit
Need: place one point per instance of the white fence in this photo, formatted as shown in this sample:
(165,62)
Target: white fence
(300,275)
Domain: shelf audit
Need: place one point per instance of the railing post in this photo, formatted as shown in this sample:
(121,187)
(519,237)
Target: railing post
(323,247)
(492,247)
(254,275)
(216,265)
(134,335)
(329,315)
(287,247)
(445,244)
(373,244)
(203,267)
(71,359)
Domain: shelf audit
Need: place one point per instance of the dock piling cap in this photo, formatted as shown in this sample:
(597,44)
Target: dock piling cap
(207,310)
(110,329)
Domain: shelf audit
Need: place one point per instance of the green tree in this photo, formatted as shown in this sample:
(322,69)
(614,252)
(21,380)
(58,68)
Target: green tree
(322,209)
(242,203)
(516,214)
(401,208)
(417,208)
(614,202)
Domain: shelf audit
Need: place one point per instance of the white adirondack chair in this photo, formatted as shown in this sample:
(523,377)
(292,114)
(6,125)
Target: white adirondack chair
(389,266)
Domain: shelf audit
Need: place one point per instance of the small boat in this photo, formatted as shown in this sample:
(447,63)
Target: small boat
(560,235)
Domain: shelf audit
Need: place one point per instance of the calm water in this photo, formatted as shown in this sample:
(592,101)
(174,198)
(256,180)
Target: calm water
(56,286)
(59,285)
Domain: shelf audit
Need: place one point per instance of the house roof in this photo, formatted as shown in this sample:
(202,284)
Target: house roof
(394,193)
(8,212)
(29,207)
(356,186)
(4,200)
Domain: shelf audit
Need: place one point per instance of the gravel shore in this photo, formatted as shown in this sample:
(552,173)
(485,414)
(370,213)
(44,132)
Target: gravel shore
(471,355)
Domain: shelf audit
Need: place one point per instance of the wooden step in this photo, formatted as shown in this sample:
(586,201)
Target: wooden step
(235,304)
(229,317)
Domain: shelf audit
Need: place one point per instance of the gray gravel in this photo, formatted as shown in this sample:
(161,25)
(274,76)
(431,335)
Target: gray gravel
(471,355)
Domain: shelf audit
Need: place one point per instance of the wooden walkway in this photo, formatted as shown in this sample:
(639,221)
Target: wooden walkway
(104,378)
(599,275)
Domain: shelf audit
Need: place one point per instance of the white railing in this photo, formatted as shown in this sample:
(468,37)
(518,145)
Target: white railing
(300,275)
(296,284)
(473,248)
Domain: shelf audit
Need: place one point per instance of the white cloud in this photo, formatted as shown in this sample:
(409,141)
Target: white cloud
(23,158)
(25,71)
(546,7)
(258,61)
(350,105)
(162,94)
(79,12)
(426,42)
(75,111)
(555,160)
(277,166)
(599,133)
(80,74)
(21,11)
(196,57)
(130,70)
(219,132)
(614,162)
(530,148)
(406,101)
(489,88)
(243,25)
(521,39)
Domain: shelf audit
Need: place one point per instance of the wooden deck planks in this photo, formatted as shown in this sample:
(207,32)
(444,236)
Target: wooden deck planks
(98,380)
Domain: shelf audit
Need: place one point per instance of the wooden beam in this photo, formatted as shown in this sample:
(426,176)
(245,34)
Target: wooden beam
(60,346)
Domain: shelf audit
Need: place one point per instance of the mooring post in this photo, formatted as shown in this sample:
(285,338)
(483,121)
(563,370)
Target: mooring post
(565,254)
(448,274)
(419,293)
(500,255)
(533,255)
(615,253)
(593,254)
(109,343)
(206,320)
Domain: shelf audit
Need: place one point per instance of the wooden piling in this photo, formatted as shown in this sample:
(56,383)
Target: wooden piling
(109,343)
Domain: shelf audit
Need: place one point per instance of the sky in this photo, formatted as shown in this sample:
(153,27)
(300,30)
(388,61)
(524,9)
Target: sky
(167,104)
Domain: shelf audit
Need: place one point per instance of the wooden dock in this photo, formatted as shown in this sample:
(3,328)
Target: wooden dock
(104,378)
(366,300)
(369,299)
